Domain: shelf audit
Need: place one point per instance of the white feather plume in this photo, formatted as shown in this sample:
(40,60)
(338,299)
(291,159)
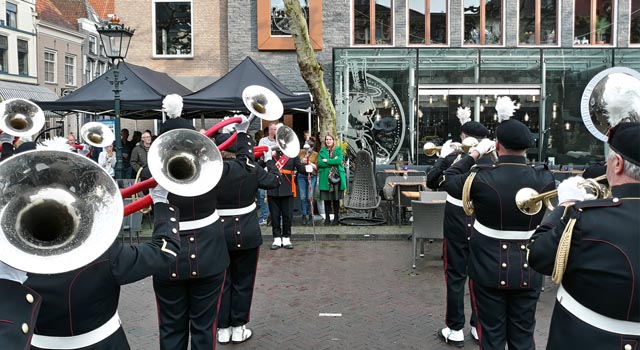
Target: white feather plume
(172,105)
(505,108)
(464,115)
(56,143)
(622,96)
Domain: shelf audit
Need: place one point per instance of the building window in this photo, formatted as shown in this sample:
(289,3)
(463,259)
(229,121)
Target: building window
(372,22)
(172,28)
(634,29)
(92,45)
(538,22)
(428,21)
(4,49)
(12,15)
(593,22)
(23,57)
(70,70)
(49,67)
(273,25)
(483,22)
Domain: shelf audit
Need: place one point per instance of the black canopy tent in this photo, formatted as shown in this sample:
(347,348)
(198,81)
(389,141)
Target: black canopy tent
(225,94)
(142,91)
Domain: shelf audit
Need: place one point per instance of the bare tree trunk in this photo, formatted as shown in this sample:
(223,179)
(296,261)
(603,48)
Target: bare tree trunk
(310,69)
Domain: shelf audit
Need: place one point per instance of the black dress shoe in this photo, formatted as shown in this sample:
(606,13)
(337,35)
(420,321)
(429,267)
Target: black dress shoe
(275,247)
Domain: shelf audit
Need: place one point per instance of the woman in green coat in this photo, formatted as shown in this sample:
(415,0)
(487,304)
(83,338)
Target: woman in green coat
(330,164)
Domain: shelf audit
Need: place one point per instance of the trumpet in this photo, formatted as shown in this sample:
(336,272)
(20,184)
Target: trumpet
(530,202)
(431,149)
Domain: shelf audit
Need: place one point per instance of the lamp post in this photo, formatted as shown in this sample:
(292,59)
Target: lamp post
(115,38)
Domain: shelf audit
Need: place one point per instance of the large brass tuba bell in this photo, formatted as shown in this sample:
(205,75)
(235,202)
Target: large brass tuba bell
(262,103)
(287,141)
(60,211)
(97,134)
(185,162)
(20,117)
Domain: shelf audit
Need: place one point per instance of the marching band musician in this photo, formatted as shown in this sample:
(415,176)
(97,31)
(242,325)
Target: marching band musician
(599,246)
(281,201)
(237,210)
(504,289)
(18,310)
(457,230)
(188,293)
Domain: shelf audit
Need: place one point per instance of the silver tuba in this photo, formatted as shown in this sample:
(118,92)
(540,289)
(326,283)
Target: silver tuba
(20,117)
(97,134)
(185,162)
(262,103)
(287,141)
(60,211)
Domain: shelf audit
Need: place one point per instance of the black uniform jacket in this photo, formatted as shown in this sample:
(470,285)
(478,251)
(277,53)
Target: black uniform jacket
(457,225)
(500,262)
(603,269)
(287,177)
(238,190)
(84,299)
(19,308)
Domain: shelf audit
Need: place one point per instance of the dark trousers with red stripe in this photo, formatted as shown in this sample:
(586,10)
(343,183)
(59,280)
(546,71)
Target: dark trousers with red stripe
(238,288)
(456,258)
(281,208)
(188,305)
(505,316)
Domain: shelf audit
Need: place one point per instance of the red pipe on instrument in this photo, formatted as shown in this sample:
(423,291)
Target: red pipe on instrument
(149,183)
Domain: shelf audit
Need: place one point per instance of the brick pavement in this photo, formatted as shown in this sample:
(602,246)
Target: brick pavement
(383,302)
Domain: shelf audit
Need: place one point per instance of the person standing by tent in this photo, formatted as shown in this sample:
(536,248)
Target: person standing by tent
(139,153)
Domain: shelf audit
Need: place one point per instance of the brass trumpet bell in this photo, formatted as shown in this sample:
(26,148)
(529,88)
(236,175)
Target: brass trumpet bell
(430,149)
(20,117)
(262,102)
(287,141)
(185,162)
(530,202)
(97,134)
(60,211)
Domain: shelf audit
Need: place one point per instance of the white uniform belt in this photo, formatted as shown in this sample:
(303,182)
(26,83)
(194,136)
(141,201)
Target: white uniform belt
(194,224)
(237,211)
(78,341)
(595,319)
(454,201)
(502,234)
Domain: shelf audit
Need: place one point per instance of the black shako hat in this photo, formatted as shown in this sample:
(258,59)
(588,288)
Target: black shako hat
(175,123)
(475,129)
(222,137)
(624,139)
(514,135)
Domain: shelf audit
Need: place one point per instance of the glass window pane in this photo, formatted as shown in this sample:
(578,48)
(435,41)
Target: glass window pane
(384,27)
(604,20)
(634,32)
(438,17)
(12,15)
(416,22)
(279,21)
(549,21)
(524,66)
(361,22)
(173,28)
(582,26)
(493,22)
(527,30)
(472,22)
(49,67)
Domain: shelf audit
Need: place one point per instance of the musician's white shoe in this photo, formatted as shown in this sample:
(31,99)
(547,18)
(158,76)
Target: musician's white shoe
(224,335)
(286,242)
(474,333)
(277,243)
(240,334)
(451,337)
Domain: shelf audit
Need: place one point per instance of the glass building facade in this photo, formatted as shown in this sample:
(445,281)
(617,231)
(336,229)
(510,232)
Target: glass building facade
(391,101)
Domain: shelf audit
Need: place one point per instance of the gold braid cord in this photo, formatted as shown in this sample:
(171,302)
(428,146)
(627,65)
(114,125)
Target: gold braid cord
(467,203)
(562,255)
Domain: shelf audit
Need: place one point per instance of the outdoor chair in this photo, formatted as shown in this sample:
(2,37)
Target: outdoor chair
(428,218)
(393,191)
(131,225)
(363,195)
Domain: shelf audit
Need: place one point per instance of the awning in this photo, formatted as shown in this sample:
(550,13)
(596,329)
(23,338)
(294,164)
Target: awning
(30,92)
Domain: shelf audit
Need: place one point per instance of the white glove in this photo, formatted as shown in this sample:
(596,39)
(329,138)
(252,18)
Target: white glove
(9,273)
(244,125)
(159,194)
(267,156)
(6,138)
(568,190)
(484,147)
(308,168)
(446,149)
(85,149)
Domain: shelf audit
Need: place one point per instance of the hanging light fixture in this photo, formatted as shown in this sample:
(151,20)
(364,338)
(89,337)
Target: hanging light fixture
(526,117)
(430,99)
(554,106)
(444,97)
(533,98)
(567,126)
(459,101)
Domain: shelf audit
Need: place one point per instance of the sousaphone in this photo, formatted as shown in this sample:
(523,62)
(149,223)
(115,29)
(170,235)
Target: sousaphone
(20,117)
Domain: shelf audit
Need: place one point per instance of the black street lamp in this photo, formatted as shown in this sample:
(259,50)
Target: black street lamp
(115,38)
